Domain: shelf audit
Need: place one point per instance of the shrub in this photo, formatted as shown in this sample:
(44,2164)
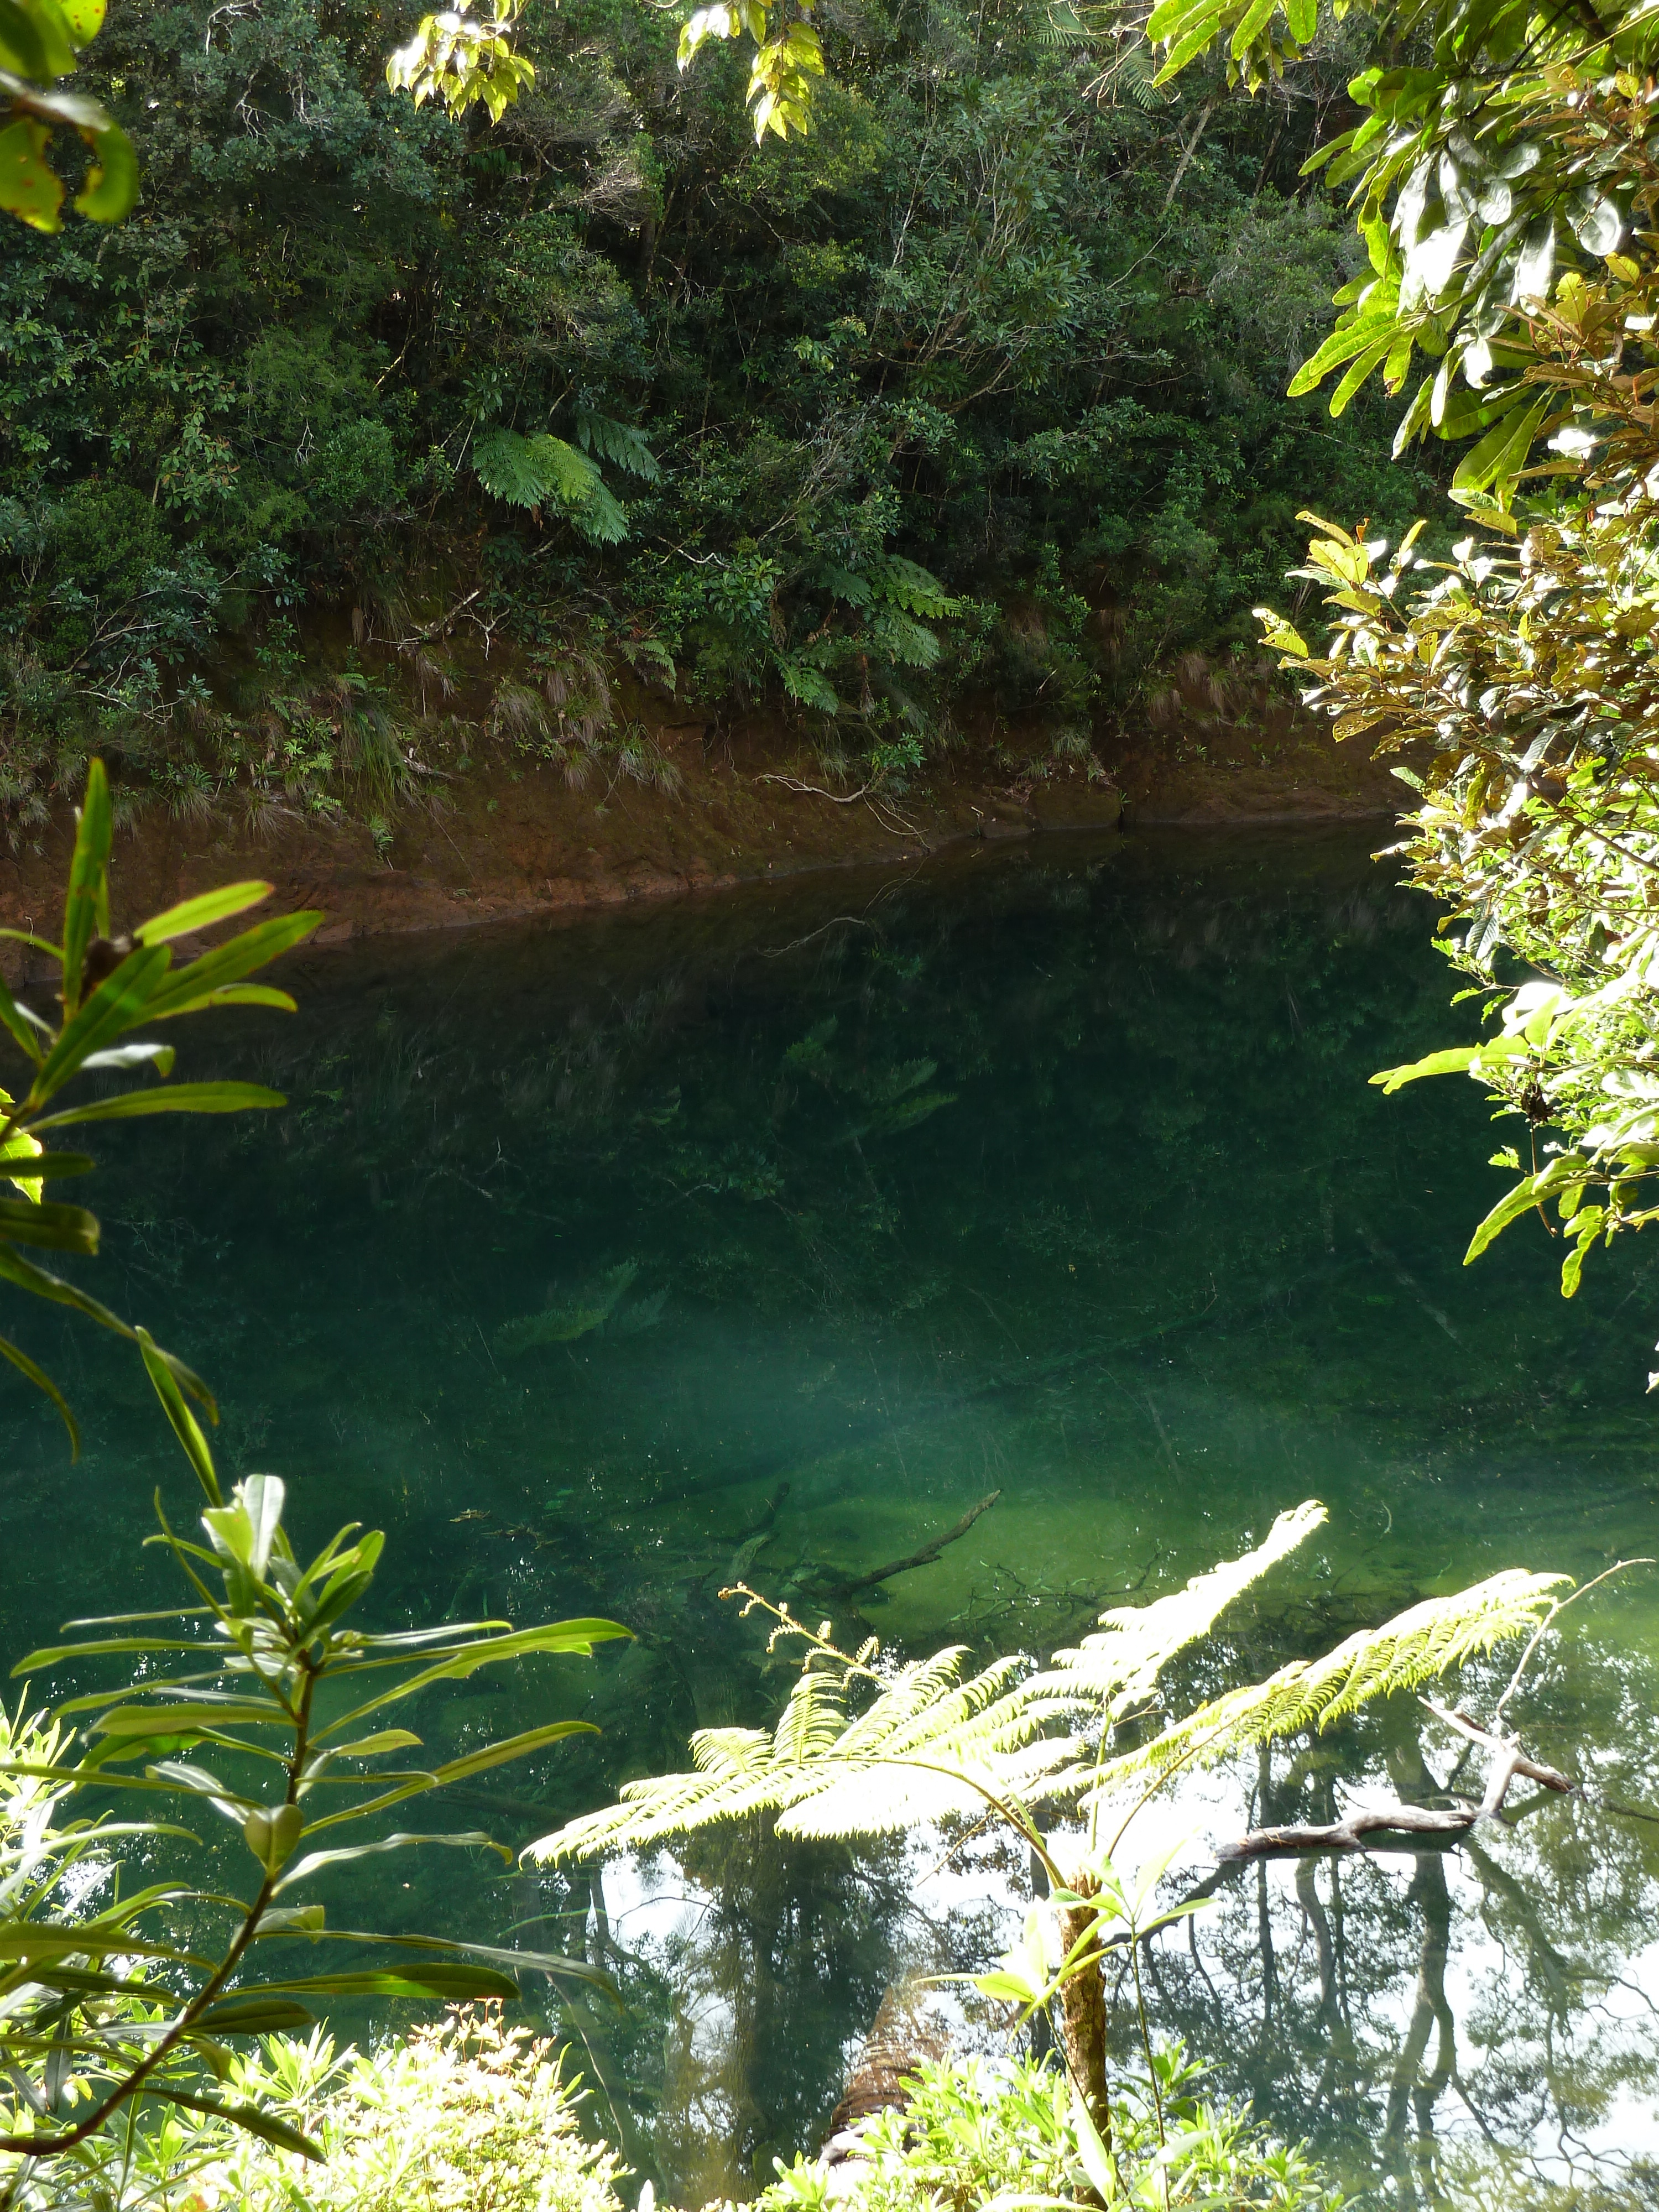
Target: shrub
(976,2135)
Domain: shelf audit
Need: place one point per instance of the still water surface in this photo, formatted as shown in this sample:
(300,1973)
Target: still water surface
(602,1263)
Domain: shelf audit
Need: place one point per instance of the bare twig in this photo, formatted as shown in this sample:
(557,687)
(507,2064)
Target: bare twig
(925,1557)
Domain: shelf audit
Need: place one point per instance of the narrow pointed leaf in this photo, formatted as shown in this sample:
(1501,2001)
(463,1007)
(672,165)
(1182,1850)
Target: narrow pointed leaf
(170,1098)
(201,913)
(43,1382)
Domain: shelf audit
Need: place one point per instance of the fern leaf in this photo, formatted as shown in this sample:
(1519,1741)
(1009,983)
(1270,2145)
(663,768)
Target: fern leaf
(929,1744)
(1429,1639)
(1118,1668)
(508,468)
(547,470)
(619,443)
(908,585)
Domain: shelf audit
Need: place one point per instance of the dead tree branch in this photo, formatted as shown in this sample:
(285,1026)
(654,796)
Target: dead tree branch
(924,1558)
(1351,1832)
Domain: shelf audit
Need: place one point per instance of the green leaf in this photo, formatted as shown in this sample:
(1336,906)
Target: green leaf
(457,1984)
(252,2118)
(1503,449)
(193,1719)
(161,1057)
(119,1001)
(53,1655)
(44,1382)
(30,188)
(111,189)
(576,1638)
(201,913)
(169,1098)
(1507,1208)
(254,2016)
(161,1373)
(229,962)
(1455,1061)
(21,1025)
(61,1227)
(85,909)
(313,1862)
(542,1962)
(510,1747)
(33,1940)
(1091,2151)
(369,1746)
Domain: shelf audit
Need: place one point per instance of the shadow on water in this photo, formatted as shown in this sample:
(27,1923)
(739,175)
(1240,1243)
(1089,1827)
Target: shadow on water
(768,1237)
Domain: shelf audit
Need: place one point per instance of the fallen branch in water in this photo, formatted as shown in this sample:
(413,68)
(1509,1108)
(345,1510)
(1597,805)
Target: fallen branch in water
(924,1558)
(1351,1832)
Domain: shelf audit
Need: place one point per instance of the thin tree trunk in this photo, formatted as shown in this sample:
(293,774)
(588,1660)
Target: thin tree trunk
(1083,2015)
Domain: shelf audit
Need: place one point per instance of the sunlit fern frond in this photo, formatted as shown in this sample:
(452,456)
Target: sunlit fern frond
(1132,75)
(933,1745)
(1061,26)
(928,1745)
(1429,1639)
(1118,1669)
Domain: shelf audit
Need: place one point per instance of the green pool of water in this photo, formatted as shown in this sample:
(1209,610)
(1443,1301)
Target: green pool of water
(602,1264)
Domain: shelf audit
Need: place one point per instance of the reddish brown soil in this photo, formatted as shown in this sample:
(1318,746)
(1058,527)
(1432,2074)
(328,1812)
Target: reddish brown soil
(517,841)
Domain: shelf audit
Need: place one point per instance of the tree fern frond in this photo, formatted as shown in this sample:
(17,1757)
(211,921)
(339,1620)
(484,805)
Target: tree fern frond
(881,1797)
(814,1719)
(1118,1668)
(929,1744)
(1428,1640)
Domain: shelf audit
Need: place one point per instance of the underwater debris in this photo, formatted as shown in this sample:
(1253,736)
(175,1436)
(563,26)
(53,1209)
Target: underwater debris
(563,1323)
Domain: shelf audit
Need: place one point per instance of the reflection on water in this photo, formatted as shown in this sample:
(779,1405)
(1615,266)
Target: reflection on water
(603,1265)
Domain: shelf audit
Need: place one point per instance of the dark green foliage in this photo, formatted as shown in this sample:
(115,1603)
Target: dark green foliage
(973,395)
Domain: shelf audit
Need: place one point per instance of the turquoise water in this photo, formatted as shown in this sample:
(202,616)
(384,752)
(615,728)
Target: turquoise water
(768,1236)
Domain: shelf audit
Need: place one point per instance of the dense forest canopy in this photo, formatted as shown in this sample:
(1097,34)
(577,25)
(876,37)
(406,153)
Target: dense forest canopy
(372,424)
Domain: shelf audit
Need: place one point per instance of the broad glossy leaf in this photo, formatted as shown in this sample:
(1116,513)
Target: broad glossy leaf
(1455,1061)
(201,912)
(1508,1208)
(111,189)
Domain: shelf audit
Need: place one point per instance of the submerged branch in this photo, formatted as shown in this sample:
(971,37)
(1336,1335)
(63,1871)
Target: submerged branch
(924,1558)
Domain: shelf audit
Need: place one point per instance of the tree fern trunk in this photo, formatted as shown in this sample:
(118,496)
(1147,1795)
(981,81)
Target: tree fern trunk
(1083,2016)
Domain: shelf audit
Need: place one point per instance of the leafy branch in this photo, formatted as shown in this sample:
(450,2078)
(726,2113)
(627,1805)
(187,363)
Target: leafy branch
(111,985)
(244,1675)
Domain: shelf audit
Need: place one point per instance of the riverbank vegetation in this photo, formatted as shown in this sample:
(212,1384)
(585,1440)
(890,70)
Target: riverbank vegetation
(380,443)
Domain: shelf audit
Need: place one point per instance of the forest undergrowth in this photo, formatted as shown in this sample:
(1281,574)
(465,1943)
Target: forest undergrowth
(378,447)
